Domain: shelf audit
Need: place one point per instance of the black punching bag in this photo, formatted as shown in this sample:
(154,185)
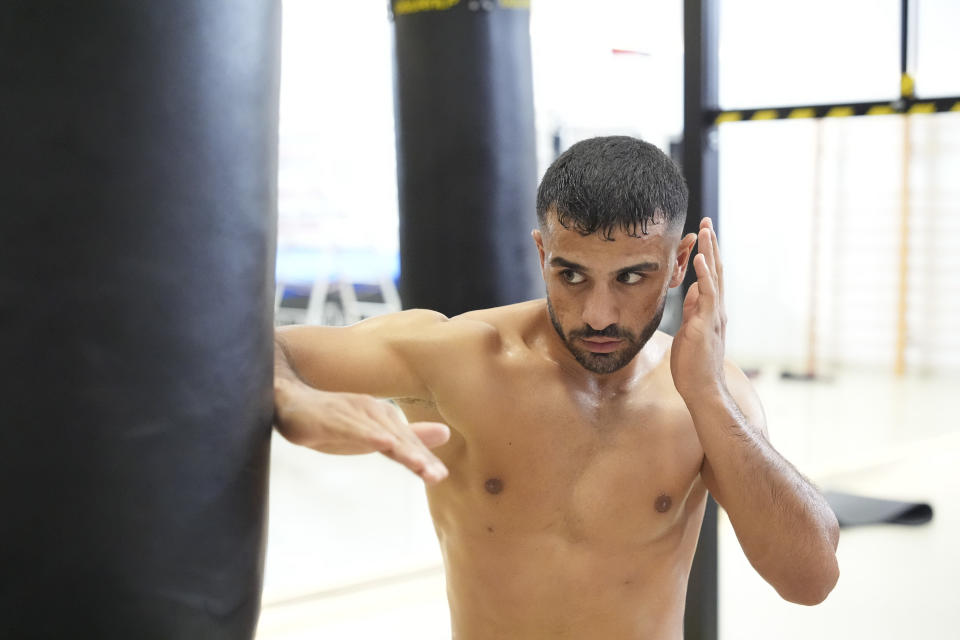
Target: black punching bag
(137,230)
(466,155)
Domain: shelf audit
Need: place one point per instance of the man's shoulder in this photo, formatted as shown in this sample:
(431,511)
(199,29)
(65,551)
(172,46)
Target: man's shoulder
(488,330)
(507,317)
(507,324)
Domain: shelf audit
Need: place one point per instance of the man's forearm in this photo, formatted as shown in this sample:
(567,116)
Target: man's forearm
(786,528)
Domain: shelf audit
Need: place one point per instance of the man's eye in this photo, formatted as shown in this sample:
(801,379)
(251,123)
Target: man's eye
(571,277)
(631,277)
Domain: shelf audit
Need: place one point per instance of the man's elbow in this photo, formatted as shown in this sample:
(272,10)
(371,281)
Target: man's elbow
(814,584)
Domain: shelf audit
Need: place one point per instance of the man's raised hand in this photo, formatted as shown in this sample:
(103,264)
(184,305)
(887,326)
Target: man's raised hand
(697,356)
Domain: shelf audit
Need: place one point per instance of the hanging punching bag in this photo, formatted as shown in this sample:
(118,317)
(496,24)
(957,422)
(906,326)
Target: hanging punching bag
(137,230)
(466,155)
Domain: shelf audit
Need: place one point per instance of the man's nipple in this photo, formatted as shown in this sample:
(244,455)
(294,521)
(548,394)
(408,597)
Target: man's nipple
(493,485)
(662,503)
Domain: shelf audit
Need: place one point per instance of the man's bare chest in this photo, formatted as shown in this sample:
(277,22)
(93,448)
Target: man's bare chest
(552,463)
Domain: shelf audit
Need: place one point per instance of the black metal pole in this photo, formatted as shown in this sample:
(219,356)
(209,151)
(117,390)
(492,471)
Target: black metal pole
(699,155)
(904,34)
(907,39)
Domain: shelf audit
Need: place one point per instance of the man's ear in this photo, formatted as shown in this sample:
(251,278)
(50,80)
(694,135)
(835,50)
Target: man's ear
(538,239)
(684,249)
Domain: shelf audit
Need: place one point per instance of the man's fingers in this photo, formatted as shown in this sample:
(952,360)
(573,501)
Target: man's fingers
(417,459)
(707,239)
(718,263)
(431,434)
(404,446)
(707,286)
(351,423)
(399,442)
(705,242)
(690,302)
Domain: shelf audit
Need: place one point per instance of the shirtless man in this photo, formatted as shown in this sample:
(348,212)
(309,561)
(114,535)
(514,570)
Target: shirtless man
(583,441)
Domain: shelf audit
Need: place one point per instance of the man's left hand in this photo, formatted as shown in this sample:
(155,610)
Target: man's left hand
(697,357)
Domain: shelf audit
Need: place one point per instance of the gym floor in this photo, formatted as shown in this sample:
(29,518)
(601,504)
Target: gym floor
(352,553)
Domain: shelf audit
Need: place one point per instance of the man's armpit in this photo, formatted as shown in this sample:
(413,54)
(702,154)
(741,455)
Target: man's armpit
(416,402)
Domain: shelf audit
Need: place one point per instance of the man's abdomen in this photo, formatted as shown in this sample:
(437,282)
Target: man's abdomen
(543,585)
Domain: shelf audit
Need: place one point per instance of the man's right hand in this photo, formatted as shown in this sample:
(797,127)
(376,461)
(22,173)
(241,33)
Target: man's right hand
(351,423)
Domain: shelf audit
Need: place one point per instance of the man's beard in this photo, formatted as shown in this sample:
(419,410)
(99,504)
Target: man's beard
(606,362)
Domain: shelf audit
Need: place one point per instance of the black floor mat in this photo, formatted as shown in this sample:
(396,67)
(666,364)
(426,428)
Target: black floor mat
(853,510)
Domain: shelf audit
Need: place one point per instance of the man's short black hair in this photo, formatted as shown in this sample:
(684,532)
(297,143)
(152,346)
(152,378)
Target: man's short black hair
(614,182)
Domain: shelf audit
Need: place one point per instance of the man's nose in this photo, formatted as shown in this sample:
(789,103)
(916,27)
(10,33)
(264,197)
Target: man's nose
(601,309)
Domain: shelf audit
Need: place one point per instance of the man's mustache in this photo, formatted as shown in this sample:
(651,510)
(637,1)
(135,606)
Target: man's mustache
(610,331)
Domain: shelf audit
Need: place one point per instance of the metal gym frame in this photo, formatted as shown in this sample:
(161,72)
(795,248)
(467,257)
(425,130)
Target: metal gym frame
(699,157)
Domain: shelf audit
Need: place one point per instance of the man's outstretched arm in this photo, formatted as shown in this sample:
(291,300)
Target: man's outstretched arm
(322,378)
(785,527)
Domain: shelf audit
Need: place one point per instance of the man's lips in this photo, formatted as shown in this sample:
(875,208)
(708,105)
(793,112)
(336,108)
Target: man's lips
(602,345)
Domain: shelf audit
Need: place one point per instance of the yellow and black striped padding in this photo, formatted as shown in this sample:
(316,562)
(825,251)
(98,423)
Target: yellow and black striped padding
(907,103)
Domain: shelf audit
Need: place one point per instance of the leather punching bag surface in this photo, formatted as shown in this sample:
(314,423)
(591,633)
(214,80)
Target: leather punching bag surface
(466,155)
(137,230)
